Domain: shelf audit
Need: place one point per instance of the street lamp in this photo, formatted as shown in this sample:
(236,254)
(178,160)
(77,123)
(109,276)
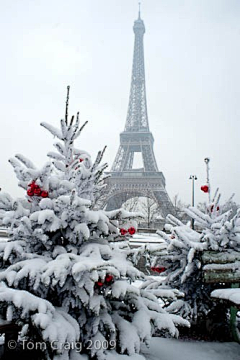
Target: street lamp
(193,178)
(206,160)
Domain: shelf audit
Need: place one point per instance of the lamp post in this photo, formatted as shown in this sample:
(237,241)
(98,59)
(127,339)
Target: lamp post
(193,178)
(206,160)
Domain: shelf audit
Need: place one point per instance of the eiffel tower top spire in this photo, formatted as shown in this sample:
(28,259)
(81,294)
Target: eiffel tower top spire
(139,10)
(137,118)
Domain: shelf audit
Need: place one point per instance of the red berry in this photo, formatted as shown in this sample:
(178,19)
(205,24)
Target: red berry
(158,269)
(37,191)
(80,160)
(123,231)
(30,192)
(131,230)
(99,283)
(204,188)
(44,194)
(108,279)
(32,184)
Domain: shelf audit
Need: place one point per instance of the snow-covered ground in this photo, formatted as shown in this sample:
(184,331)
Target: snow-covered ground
(173,349)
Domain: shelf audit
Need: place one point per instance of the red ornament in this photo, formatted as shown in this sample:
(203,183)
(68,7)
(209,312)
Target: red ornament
(123,231)
(109,279)
(44,194)
(80,160)
(30,192)
(32,185)
(37,190)
(131,230)
(99,283)
(204,188)
(158,269)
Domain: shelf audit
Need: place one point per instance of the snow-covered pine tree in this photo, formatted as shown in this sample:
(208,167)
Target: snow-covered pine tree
(180,259)
(180,256)
(62,279)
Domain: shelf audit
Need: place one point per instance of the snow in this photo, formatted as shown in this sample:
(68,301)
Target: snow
(234,267)
(3,238)
(232,295)
(145,238)
(173,349)
(115,356)
(129,337)
(24,301)
(53,130)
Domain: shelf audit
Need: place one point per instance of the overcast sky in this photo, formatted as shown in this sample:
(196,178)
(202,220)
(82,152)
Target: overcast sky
(192,64)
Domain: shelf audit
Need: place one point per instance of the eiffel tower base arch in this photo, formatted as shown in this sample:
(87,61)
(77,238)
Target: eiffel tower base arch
(123,186)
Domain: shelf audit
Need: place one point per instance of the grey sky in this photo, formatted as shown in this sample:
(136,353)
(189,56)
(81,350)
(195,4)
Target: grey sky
(192,62)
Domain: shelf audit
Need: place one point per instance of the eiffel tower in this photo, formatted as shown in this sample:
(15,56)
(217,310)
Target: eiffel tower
(125,181)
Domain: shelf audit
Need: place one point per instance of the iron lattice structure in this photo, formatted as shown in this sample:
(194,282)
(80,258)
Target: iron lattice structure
(126,182)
